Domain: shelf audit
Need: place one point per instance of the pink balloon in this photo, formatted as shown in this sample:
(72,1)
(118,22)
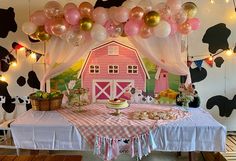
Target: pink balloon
(173,26)
(72,16)
(111,12)
(195,23)
(110,27)
(175,5)
(38,18)
(48,26)
(121,14)
(131,28)
(59,27)
(100,15)
(69,6)
(181,17)
(53,9)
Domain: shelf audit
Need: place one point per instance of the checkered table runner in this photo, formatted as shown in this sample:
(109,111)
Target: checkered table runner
(96,120)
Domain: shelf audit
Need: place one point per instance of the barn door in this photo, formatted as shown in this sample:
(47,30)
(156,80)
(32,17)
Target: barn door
(121,86)
(102,90)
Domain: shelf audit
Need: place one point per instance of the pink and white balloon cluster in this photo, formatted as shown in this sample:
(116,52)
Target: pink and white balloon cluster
(75,23)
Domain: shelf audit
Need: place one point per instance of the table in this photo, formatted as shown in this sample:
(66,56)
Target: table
(49,130)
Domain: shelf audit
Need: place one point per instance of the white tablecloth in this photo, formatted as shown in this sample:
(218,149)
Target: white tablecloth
(50,131)
(46,130)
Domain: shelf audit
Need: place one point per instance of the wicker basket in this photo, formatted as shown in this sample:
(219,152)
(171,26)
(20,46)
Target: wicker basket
(55,103)
(45,104)
(39,104)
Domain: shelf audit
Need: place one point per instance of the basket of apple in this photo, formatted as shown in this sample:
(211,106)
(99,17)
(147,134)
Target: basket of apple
(43,101)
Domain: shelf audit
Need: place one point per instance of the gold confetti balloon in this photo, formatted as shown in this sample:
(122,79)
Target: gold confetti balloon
(41,34)
(190,8)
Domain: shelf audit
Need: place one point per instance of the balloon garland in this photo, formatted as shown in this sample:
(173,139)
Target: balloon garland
(74,23)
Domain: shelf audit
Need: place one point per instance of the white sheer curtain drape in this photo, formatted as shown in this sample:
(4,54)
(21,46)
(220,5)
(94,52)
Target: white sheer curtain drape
(61,55)
(164,52)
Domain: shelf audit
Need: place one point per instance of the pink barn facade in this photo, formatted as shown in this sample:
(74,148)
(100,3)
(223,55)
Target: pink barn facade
(111,69)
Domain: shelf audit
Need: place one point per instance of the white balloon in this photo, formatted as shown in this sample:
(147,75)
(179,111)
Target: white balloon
(29,28)
(98,33)
(162,30)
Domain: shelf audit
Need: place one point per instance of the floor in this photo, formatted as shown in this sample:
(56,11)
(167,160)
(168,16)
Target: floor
(88,156)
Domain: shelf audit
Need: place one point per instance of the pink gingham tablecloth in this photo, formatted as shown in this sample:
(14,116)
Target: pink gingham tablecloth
(103,130)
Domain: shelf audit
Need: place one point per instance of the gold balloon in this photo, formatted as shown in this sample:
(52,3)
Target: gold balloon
(136,13)
(41,34)
(152,18)
(33,36)
(86,9)
(185,28)
(86,24)
(145,31)
(190,8)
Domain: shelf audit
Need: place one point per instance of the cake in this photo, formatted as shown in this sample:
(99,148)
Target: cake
(117,103)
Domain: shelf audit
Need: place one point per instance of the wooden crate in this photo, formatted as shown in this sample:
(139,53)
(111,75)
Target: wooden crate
(229,155)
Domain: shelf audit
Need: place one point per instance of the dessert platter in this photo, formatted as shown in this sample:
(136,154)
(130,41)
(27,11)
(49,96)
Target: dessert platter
(117,104)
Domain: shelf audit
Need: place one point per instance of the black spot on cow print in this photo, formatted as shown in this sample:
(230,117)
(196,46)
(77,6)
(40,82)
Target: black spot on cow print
(8,106)
(144,99)
(20,100)
(225,105)
(33,80)
(126,141)
(216,37)
(132,91)
(5,58)
(219,61)
(108,3)
(197,74)
(21,81)
(28,106)
(8,23)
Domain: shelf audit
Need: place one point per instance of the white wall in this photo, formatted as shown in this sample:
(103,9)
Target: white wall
(220,81)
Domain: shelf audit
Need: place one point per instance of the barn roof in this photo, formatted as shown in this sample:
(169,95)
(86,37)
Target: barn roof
(115,42)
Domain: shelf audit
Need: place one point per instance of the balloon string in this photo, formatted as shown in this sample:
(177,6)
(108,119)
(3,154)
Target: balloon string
(29,10)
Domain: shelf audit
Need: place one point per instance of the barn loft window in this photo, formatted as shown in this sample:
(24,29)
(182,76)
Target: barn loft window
(113,50)
(113,69)
(94,69)
(132,69)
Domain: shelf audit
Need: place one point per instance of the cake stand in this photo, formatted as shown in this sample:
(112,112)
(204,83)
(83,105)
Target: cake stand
(117,110)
